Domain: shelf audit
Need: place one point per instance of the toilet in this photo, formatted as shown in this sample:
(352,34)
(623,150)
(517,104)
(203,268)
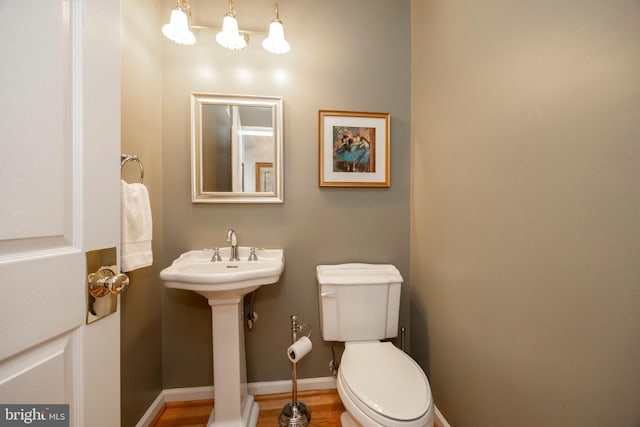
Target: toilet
(379,384)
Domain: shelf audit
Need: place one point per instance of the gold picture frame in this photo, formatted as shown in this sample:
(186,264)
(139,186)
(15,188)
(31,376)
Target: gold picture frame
(264,177)
(353,149)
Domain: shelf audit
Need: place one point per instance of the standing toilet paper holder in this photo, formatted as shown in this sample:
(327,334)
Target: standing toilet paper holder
(295,413)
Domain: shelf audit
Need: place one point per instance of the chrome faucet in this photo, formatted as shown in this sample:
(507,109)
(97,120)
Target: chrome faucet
(232,238)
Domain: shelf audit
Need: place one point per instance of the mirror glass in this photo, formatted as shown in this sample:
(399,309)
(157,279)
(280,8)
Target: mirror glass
(236,149)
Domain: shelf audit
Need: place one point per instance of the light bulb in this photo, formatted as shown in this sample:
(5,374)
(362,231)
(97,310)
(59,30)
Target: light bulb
(276,42)
(177,30)
(230,37)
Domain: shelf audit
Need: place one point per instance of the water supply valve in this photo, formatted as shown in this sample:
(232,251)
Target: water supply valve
(252,318)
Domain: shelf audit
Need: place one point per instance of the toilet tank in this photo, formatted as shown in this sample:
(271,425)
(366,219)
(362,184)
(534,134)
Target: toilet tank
(358,302)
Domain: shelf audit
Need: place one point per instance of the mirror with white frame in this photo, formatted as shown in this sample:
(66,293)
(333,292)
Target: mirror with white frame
(236,149)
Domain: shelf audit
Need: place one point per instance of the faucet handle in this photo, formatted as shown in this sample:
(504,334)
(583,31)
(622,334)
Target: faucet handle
(216,255)
(252,255)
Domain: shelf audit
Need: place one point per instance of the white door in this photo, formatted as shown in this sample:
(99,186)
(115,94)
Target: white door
(59,197)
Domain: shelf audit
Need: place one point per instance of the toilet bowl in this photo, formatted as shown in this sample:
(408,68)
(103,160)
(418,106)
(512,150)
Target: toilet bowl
(379,384)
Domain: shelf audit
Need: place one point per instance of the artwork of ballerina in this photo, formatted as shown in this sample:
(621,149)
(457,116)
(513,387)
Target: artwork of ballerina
(353,149)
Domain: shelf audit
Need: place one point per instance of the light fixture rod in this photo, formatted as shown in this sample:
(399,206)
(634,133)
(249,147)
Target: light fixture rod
(232,8)
(207,27)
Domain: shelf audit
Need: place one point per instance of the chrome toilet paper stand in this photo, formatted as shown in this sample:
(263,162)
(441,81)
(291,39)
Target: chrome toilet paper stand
(294,413)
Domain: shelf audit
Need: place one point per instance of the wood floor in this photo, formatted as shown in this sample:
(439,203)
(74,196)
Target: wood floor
(324,405)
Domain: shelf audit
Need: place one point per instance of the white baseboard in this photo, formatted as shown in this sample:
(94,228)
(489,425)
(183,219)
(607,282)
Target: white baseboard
(207,392)
(188,393)
(153,410)
(440,420)
(271,387)
(256,389)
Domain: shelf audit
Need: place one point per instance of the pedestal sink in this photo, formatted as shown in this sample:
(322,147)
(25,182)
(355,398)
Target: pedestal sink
(224,283)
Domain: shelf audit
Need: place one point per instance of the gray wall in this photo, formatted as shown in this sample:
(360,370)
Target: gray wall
(526,210)
(347,55)
(140,305)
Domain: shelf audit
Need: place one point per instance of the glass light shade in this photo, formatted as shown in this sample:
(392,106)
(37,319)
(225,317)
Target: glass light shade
(276,42)
(230,37)
(177,30)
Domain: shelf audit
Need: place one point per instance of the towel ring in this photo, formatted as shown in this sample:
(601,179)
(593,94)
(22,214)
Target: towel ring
(126,158)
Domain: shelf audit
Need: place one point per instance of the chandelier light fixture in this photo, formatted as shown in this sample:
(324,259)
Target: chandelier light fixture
(179,27)
(276,42)
(230,36)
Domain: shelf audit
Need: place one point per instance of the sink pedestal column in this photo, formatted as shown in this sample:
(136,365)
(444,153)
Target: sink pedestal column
(233,406)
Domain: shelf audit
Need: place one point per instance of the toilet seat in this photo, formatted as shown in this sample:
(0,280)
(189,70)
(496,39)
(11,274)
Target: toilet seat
(385,385)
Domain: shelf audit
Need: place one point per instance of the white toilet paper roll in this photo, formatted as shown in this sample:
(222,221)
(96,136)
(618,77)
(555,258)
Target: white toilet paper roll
(299,349)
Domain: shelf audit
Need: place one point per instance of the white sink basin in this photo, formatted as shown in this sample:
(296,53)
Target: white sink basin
(194,271)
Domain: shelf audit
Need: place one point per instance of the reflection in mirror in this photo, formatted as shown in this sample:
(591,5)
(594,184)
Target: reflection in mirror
(236,148)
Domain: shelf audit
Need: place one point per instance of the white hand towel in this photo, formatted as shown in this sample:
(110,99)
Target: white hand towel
(135,230)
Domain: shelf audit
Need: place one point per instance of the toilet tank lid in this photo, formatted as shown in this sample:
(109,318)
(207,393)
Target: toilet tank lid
(357,274)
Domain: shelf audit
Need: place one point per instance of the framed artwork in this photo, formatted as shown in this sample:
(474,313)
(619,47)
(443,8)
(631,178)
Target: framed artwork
(353,149)
(264,177)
